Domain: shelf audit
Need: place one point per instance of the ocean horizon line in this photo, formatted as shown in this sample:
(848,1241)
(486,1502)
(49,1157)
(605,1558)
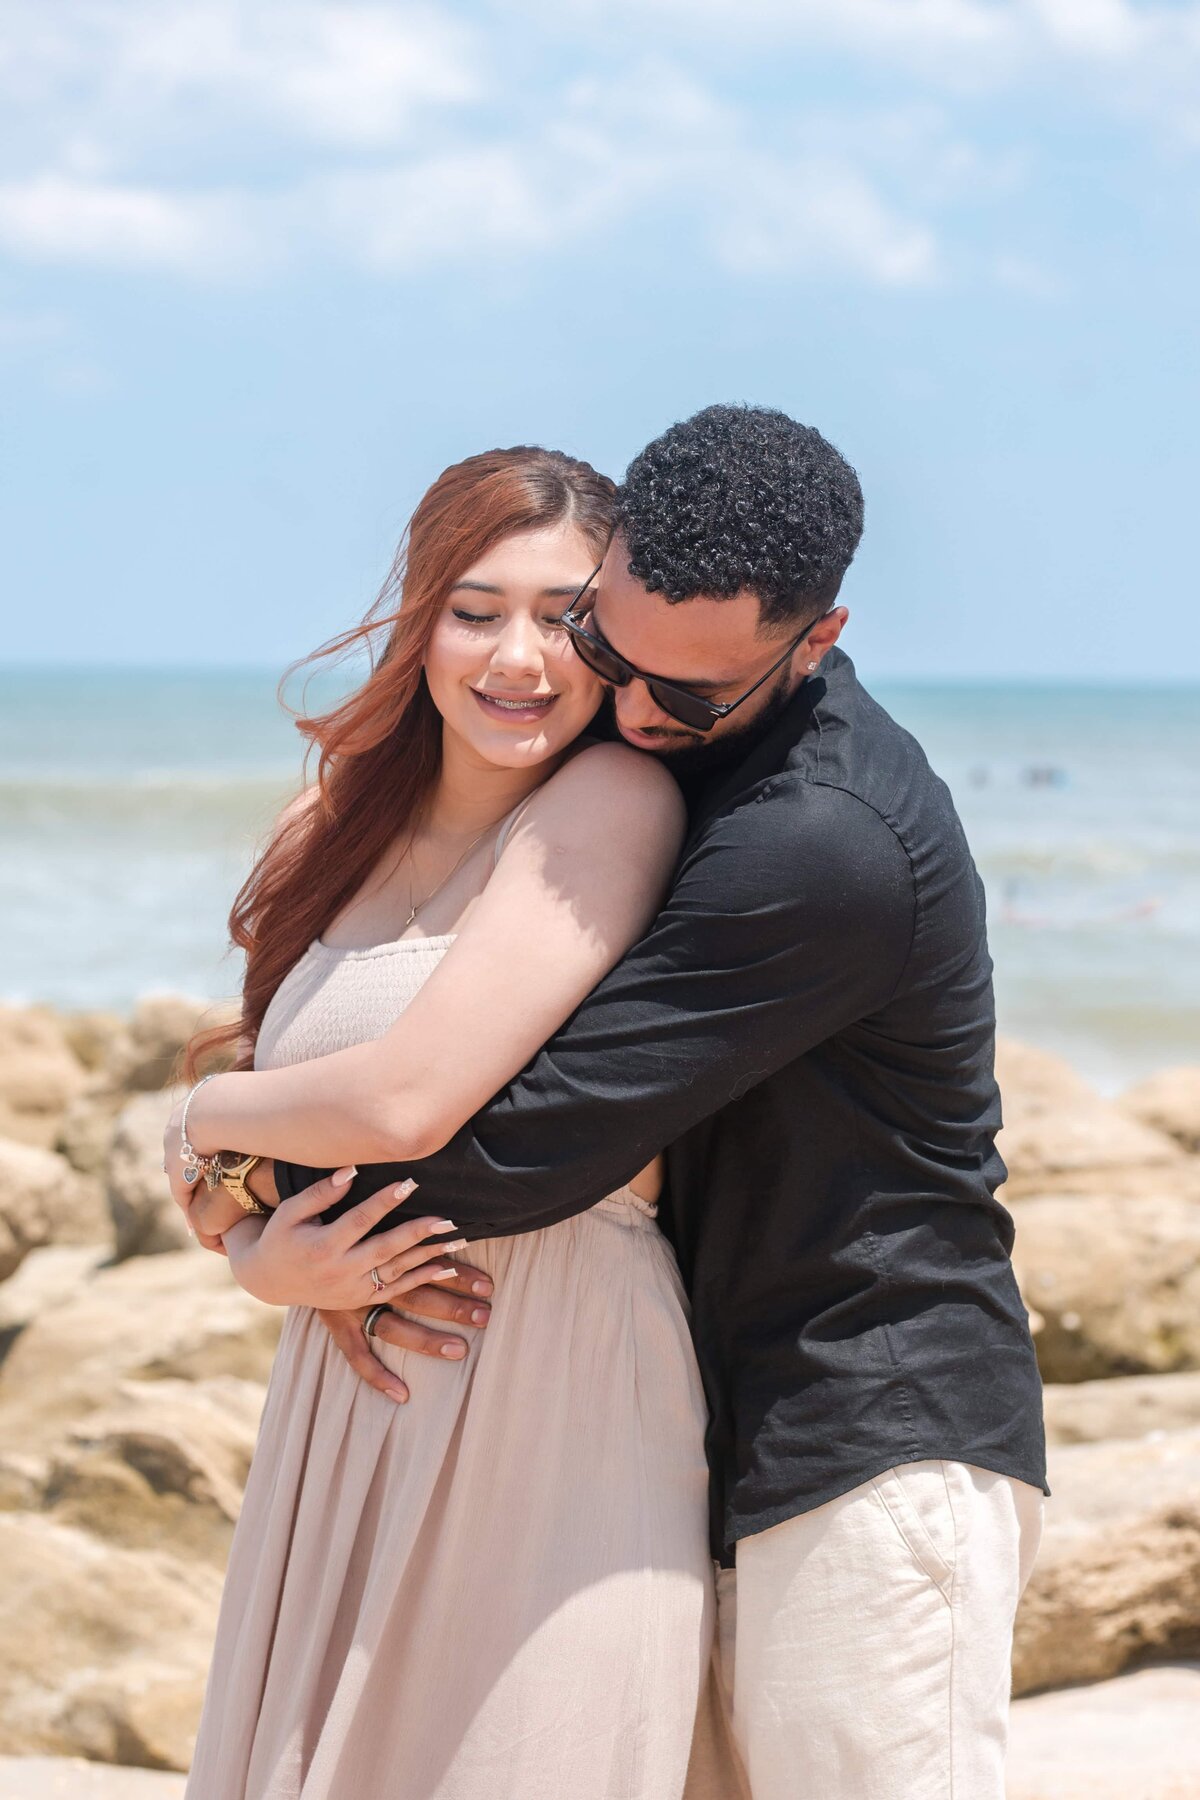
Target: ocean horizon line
(276,671)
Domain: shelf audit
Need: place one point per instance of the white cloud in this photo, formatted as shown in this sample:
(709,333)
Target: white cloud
(350,74)
(57,218)
(810,217)
(655,144)
(905,28)
(467,203)
(212,137)
(1093,28)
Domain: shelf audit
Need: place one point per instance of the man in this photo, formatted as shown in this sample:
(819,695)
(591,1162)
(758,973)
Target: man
(808,1026)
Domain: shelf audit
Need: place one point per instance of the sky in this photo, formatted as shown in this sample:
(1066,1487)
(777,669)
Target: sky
(265,269)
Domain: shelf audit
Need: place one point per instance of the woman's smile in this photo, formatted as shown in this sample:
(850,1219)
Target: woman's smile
(518,707)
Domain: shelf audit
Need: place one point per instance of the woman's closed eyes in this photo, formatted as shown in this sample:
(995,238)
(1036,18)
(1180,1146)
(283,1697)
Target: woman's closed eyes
(553,622)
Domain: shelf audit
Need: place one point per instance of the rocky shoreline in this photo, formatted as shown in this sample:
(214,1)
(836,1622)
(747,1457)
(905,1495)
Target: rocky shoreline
(133,1369)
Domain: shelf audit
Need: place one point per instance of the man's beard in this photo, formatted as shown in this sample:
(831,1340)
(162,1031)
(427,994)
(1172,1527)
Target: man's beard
(688,753)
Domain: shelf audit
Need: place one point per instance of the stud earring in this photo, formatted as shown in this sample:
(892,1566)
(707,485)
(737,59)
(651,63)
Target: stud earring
(812,665)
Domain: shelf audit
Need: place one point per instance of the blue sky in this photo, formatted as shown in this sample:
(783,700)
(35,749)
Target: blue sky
(266,268)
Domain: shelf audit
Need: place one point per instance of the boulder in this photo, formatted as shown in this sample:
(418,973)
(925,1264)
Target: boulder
(1132,1738)
(103,1651)
(39,1075)
(85,1133)
(1128,1406)
(100,1040)
(43,1200)
(145,1219)
(42,1281)
(1116,1282)
(159,1031)
(163,1464)
(1118,1575)
(180,1315)
(1169,1102)
(1055,1125)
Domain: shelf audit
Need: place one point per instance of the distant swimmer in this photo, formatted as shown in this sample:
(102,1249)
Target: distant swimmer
(1013,914)
(1044,775)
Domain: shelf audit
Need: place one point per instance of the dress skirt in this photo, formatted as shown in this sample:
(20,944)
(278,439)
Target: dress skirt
(501,1590)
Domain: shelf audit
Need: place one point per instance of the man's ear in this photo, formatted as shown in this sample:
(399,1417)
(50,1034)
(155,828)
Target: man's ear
(824,635)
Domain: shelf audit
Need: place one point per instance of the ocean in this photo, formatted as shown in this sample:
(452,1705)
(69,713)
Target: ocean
(131,803)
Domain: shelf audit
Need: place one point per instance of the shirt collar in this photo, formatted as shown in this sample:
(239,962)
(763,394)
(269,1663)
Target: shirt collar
(770,754)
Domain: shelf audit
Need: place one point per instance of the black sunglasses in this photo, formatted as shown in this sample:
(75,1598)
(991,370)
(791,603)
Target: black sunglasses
(679,703)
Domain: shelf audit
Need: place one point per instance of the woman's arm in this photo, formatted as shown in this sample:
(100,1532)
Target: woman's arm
(580,879)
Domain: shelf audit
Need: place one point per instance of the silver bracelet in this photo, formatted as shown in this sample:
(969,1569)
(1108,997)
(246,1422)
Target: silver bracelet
(194,1165)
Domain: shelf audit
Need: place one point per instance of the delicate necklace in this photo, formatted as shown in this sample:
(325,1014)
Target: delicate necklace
(414,906)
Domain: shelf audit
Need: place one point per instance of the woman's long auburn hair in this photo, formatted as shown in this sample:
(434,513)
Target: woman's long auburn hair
(380,749)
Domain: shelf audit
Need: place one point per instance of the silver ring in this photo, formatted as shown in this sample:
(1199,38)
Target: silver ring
(377,1280)
(368,1323)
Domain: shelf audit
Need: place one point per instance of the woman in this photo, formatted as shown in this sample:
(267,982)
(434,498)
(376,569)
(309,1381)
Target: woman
(502,1588)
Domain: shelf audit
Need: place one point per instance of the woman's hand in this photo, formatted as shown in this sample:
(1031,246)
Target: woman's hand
(214,1210)
(210,1211)
(294,1260)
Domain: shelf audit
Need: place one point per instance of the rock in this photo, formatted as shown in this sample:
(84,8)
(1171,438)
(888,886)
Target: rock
(1129,1406)
(145,1219)
(164,1464)
(130,1398)
(85,1133)
(1118,1575)
(73,1778)
(1169,1102)
(1055,1125)
(1116,1282)
(160,1029)
(39,1075)
(100,1040)
(180,1315)
(1133,1738)
(44,1200)
(103,1650)
(46,1278)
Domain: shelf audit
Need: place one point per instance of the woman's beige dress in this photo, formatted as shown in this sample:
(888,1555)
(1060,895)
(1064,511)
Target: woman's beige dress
(501,1590)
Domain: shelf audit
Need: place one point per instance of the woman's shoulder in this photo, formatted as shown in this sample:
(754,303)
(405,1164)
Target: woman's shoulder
(602,774)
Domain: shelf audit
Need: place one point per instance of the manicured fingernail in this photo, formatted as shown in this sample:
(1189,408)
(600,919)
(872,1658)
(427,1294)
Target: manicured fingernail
(403,1190)
(480,1287)
(191,1231)
(458,1244)
(480,1316)
(341,1177)
(399,1394)
(443,1225)
(455,1350)
(442,1274)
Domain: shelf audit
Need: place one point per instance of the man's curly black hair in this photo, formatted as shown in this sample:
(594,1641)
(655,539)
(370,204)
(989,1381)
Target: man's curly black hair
(742,497)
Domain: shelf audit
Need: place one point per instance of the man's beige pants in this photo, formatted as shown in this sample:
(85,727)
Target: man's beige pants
(864,1647)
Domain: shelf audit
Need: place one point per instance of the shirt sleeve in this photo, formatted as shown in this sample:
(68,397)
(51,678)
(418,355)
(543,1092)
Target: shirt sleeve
(791,918)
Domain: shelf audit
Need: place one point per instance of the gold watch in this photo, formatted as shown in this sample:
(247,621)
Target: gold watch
(231,1171)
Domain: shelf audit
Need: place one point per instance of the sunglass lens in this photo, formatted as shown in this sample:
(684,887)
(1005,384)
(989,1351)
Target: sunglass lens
(599,660)
(689,710)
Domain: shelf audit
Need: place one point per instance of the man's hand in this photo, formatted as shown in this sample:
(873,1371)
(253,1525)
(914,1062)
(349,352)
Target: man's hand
(464,1302)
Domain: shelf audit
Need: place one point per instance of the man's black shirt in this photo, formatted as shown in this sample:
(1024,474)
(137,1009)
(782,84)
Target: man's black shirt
(808,1028)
